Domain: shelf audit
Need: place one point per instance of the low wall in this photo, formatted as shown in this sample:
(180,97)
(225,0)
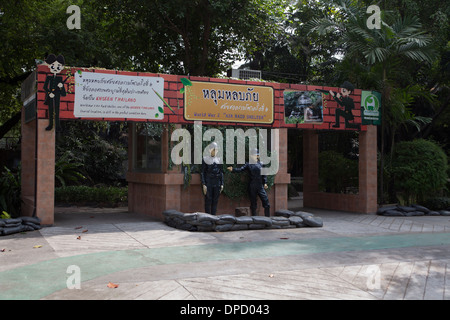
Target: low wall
(333,201)
(152,193)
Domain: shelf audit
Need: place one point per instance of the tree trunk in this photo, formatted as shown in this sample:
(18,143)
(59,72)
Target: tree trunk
(206,36)
(9,124)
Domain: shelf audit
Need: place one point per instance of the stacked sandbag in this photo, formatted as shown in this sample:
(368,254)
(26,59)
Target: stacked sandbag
(21,224)
(200,221)
(307,219)
(31,222)
(409,211)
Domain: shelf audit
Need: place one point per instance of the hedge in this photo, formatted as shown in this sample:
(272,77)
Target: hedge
(84,194)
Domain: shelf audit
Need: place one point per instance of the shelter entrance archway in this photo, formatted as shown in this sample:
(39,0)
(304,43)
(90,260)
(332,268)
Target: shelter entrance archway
(98,94)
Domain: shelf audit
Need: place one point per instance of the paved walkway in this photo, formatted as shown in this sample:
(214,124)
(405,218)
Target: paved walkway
(352,256)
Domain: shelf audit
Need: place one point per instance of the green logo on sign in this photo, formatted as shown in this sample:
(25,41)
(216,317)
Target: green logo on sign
(371,103)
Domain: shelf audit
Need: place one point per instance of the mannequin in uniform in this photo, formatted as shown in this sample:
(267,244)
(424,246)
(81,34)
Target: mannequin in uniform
(257,184)
(54,89)
(212,179)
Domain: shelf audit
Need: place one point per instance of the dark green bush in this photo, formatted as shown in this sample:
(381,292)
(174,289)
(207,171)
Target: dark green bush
(336,173)
(108,196)
(67,171)
(437,203)
(100,148)
(10,192)
(419,170)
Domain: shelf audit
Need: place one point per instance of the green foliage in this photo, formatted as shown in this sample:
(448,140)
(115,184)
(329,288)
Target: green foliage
(382,57)
(419,169)
(5,215)
(398,36)
(10,192)
(235,185)
(196,37)
(67,171)
(437,203)
(337,174)
(103,195)
(94,150)
(187,176)
(400,114)
(400,60)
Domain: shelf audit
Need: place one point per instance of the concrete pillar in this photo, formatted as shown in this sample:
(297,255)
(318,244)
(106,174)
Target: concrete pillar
(38,171)
(45,187)
(28,169)
(282,178)
(368,170)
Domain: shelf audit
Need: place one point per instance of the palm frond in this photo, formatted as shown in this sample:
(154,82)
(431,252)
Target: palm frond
(417,122)
(323,26)
(376,55)
(417,55)
(403,27)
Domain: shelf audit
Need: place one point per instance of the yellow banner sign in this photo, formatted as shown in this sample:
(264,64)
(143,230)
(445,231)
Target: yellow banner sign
(210,101)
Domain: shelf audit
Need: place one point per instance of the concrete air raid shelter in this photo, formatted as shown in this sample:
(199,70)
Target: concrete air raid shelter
(154,183)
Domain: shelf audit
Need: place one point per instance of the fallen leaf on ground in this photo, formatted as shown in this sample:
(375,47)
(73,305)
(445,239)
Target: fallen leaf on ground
(38,246)
(112,285)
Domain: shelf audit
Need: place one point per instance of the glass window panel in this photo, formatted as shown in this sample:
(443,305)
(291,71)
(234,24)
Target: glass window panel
(147,147)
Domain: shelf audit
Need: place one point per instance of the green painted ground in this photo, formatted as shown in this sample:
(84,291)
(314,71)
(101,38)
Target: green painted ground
(41,279)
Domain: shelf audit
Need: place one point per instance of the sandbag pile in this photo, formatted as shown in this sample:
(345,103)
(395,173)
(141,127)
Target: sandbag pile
(200,221)
(409,211)
(21,224)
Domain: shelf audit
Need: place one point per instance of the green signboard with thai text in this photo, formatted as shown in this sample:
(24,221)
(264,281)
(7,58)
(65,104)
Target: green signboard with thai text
(371,107)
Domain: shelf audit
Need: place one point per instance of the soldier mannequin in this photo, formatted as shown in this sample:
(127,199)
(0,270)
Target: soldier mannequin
(257,184)
(212,179)
(54,88)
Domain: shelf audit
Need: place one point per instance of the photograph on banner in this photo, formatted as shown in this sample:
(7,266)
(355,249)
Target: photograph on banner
(103,95)
(303,107)
(222,102)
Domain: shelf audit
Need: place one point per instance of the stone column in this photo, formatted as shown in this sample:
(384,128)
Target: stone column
(38,171)
(368,170)
(45,188)
(283,178)
(28,168)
